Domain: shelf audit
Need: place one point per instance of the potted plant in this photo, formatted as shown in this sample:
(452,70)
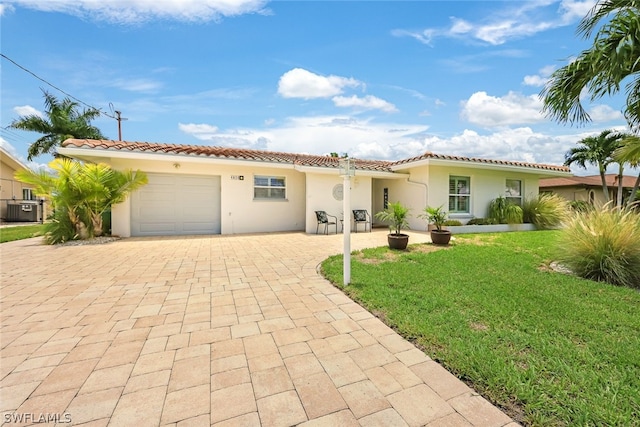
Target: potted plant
(437,217)
(396,214)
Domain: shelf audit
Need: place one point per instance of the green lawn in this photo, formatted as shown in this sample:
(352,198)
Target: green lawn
(548,348)
(8,234)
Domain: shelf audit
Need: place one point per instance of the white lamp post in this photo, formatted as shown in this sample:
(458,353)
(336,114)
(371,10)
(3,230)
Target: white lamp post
(347,170)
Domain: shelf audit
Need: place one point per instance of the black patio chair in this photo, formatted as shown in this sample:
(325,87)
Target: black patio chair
(324,218)
(361,216)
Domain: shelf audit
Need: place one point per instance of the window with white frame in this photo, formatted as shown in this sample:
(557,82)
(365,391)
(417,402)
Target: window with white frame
(513,191)
(459,194)
(27,194)
(269,187)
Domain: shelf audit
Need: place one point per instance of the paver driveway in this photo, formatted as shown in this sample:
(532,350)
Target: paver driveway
(216,330)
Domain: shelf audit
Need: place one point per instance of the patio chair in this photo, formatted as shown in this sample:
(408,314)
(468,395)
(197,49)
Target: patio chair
(361,216)
(324,218)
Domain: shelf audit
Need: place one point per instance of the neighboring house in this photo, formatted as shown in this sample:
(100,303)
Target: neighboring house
(587,188)
(17,200)
(210,190)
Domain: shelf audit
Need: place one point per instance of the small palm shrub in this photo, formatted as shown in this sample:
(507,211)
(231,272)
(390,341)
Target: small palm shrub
(397,215)
(59,228)
(603,245)
(545,210)
(504,212)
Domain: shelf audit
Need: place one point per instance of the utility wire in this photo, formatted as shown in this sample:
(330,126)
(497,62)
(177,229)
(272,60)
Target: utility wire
(54,86)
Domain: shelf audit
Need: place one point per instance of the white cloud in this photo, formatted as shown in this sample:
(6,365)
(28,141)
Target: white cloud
(511,109)
(365,103)
(499,32)
(541,78)
(138,11)
(573,10)
(137,85)
(27,110)
(300,83)
(365,139)
(604,113)
(4,8)
(523,20)
(424,37)
(321,135)
(517,144)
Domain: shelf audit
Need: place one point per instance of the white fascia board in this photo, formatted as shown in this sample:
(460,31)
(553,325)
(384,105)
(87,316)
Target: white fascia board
(334,171)
(96,154)
(479,165)
(12,161)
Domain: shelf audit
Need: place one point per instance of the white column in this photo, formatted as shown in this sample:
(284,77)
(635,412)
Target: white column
(346,229)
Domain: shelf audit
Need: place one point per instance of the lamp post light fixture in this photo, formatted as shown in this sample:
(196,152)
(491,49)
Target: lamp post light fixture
(346,170)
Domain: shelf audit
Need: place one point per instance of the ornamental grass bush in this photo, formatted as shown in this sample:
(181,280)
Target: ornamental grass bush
(603,245)
(545,211)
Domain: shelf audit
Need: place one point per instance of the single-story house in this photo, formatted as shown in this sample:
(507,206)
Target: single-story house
(587,188)
(18,202)
(220,190)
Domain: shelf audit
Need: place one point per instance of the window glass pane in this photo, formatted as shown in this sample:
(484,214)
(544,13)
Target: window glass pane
(514,188)
(514,200)
(277,182)
(261,180)
(277,193)
(463,204)
(260,193)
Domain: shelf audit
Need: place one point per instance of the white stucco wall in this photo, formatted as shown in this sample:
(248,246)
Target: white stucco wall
(411,192)
(319,188)
(486,185)
(240,213)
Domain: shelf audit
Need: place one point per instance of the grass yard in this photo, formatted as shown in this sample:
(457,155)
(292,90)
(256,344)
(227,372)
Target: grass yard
(548,348)
(9,234)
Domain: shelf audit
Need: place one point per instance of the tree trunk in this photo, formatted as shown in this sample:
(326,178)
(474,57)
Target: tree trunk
(80,227)
(620,187)
(96,222)
(605,189)
(632,198)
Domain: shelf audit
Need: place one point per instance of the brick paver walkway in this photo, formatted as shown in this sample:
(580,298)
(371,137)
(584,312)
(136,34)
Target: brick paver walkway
(199,331)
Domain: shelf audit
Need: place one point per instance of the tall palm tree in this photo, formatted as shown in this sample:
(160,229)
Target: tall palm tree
(629,152)
(63,120)
(597,151)
(601,69)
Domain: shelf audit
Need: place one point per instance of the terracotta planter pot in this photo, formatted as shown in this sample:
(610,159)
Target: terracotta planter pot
(398,241)
(440,237)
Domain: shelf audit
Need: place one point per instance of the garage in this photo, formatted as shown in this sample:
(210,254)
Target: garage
(176,205)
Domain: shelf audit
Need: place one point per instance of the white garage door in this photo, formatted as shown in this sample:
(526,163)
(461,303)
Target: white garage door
(176,204)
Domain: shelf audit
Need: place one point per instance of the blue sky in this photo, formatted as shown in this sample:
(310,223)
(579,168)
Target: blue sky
(374,79)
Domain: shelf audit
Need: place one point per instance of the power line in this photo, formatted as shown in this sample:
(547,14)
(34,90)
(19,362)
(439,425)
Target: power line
(54,86)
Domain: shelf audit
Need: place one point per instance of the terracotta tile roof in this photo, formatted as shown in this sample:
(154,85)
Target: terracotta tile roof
(278,157)
(591,180)
(226,153)
(429,155)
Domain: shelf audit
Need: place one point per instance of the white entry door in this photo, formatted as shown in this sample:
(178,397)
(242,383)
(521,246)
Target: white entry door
(176,205)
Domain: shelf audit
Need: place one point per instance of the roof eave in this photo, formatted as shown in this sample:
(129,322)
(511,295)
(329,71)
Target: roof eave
(480,165)
(93,154)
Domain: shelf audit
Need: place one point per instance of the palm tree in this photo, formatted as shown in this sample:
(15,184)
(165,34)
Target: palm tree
(63,120)
(82,192)
(597,151)
(601,69)
(629,152)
